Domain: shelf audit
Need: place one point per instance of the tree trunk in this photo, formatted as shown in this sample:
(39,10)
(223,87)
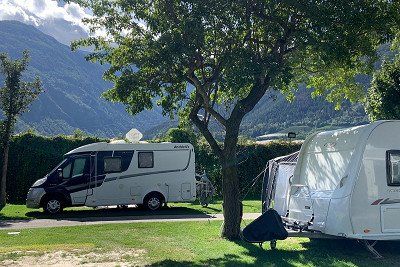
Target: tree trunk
(232,205)
(4,176)
(6,146)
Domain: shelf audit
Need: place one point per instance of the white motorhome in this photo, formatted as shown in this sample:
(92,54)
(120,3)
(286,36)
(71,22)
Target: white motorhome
(346,183)
(104,174)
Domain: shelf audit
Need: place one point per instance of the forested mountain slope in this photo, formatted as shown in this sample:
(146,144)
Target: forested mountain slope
(73,87)
(305,114)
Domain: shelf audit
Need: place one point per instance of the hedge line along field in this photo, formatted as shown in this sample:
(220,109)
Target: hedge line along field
(33,156)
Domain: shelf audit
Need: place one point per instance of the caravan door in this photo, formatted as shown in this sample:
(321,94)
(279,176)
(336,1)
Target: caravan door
(282,187)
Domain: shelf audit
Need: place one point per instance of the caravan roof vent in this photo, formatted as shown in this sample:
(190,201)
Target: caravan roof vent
(134,136)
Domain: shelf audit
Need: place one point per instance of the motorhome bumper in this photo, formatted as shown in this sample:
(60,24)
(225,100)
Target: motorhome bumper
(33,198)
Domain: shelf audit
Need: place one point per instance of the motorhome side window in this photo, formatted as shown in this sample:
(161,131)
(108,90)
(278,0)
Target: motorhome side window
(145,160)
(393,167)
(105,160)
(112,164)
(126,158)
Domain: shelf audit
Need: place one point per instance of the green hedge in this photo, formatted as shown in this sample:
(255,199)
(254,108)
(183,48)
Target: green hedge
(33,156)
(252,159)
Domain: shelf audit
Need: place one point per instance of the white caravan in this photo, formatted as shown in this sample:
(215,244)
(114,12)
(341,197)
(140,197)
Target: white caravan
(104,174)
(346,183)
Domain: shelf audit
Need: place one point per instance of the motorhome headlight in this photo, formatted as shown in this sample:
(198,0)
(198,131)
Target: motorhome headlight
(39,182)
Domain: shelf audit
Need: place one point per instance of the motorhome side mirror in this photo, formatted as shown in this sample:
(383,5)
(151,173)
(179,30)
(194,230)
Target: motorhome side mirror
(291,135)
(60,173)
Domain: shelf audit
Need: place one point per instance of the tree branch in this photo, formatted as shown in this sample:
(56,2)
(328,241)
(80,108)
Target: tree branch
(201,89)
(203,128)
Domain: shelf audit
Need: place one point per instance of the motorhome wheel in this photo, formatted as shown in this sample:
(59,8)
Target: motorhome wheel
(53,206)
(153,202)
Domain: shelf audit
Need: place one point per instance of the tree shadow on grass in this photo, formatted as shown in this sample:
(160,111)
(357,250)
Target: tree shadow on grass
(14,217)
(313,253)
(128,213)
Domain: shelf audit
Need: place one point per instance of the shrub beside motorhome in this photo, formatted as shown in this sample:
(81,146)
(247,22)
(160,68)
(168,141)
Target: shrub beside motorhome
(105,174)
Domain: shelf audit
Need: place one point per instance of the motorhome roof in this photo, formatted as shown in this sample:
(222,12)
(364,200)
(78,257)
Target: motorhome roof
(103,146)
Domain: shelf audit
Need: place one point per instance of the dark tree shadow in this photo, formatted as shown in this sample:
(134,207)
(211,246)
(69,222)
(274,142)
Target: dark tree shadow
(127,213)
(313,253)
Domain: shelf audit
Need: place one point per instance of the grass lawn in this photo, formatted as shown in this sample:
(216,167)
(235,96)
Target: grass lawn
(177,244)
(21,212)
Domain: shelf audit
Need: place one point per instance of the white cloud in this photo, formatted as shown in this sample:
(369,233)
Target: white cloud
(58,19)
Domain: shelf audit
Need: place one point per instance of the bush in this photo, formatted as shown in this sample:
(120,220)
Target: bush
(33,156)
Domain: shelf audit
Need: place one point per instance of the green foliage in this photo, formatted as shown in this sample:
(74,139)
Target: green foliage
(181,135)
(79,134)
(227,51)
(16,95)
(383,100)
(32,157)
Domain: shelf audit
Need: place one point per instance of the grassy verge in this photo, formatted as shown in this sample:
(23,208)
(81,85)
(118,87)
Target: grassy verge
(21,212)
(177,244)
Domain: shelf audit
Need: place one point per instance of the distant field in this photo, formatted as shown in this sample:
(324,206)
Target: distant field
(176,244)
(21,212)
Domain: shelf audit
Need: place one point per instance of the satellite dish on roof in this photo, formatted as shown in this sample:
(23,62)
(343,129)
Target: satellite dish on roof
(134,136)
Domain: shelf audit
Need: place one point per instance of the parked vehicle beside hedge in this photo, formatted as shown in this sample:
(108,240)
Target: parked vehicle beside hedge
(33,156)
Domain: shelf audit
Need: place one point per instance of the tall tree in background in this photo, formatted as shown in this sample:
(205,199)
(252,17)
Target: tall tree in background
(383,97)
(218,58)
(15,97)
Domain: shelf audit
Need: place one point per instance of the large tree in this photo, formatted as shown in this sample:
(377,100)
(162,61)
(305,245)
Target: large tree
(383,98)
(15,97)
(230,53)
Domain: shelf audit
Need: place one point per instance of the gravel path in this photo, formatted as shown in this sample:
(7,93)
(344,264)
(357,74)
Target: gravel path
(44,223)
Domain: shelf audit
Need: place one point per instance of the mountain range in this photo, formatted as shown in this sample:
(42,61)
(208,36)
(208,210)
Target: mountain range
(274,113)
(73,87)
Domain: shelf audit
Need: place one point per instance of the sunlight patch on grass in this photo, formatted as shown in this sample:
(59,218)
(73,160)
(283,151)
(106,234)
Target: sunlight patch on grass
(46,247)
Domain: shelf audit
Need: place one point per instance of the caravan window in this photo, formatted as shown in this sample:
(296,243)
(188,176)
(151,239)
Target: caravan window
(112,164)
(146,159)
(393,167)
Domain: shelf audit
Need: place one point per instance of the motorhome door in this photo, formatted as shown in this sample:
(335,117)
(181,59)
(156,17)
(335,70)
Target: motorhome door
(77,177)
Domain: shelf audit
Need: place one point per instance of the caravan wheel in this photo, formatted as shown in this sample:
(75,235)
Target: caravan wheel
(153,201)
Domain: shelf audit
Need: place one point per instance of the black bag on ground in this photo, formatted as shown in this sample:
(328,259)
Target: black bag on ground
(267,227)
